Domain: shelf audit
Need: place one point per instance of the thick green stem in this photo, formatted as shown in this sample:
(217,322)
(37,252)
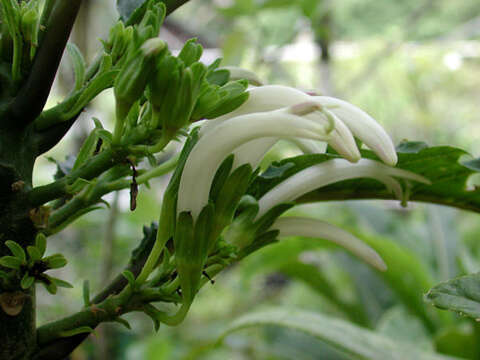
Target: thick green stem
(93,168)
(33,95)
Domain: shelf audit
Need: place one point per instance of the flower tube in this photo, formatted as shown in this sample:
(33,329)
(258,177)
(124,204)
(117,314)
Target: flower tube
(330,172)
(313,228)
(362,125)
(221,141)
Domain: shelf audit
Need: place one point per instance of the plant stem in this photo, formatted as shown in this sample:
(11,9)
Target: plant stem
(93,168)
(33,95)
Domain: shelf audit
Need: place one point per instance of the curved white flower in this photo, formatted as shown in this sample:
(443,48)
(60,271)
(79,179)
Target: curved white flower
(362,126)
(330,172)
(358,122)
(215,145)
(313,228)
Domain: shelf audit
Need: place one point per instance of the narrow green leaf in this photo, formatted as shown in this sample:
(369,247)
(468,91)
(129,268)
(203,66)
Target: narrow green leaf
(79,65)
(61,283)
(27,281)
(123,322)
(87,149)
(55,261)
(41,243)
(351,339)
(16,250)
(34,253)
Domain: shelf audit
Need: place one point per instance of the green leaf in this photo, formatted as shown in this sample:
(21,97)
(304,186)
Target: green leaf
(34,253)
(11,262)
(55,261)
(16,250)
(78,65)
(353,340)
(41,243)
(61,283)
(27,281)
(439,164)
(123,322)
(461,295)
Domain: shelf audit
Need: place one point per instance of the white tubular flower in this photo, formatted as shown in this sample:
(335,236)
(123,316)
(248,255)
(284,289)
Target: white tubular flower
(362,126)
(341,139)
(215,145)
(353,119)
(330,172)
(313,228)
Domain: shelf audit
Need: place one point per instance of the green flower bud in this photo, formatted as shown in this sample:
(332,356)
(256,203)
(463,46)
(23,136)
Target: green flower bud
(191,250)
(133,77)
(191,52)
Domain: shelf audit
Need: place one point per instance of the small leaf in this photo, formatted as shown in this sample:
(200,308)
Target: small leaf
(153,313)
(11,262)
(50,286)
(78,65)
(76,331)
(27,281)
(41,243)
(16,250)
(34,253)
(55,261)
(61,283)
(123,322)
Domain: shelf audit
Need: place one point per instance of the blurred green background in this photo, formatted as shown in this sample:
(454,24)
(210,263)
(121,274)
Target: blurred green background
(414,65)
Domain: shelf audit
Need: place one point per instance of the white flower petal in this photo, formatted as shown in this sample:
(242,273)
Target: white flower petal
(213,147)
(310,146)
(362,126)
(330,172)
(296,226)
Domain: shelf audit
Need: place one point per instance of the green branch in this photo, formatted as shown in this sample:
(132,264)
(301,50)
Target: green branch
(33,95)
(93,193)
(93,168)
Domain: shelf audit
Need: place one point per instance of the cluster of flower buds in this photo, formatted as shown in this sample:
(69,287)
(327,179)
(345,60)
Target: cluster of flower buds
(210,189)
(157,94)
(19,33)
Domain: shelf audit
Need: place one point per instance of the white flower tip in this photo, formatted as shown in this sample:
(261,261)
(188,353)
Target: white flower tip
(389,157)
